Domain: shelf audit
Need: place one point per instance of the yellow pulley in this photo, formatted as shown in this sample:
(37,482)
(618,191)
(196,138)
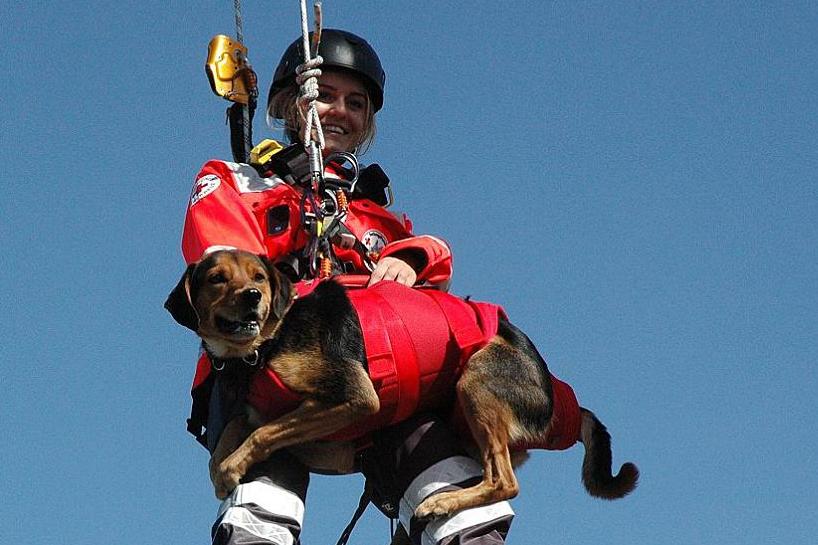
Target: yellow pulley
(228,70)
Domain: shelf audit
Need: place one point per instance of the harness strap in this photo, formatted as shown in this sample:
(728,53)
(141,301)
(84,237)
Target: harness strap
(379,350)
(366,497)
(358,246)
(461,316)
(409,374)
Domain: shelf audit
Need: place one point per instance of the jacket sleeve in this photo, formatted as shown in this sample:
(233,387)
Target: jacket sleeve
(429,256)
(217,216)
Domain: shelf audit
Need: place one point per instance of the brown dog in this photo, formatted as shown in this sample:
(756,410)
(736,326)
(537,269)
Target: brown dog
(239,304)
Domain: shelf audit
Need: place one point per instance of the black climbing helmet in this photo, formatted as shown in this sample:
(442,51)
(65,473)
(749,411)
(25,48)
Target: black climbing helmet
(339,49)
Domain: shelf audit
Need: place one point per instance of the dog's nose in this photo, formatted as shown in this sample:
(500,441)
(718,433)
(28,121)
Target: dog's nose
(251,297)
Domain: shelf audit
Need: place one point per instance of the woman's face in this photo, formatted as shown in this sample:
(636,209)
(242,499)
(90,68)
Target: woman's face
(343,107)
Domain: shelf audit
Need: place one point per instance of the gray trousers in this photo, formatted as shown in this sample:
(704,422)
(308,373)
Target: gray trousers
(406,464)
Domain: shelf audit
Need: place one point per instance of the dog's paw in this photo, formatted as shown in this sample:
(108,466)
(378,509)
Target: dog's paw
(226,479)
(439,505)
(223,486)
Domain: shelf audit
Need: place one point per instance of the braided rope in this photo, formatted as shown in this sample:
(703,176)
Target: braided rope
(307,75)
(307,78)
(237,16)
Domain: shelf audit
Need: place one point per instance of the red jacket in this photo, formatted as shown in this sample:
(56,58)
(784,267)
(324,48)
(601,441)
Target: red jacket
(231,205)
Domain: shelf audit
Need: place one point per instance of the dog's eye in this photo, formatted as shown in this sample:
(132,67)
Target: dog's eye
(259,277)
(217,278)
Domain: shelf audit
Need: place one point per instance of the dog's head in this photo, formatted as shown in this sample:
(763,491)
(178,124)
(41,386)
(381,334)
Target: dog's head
(232,299)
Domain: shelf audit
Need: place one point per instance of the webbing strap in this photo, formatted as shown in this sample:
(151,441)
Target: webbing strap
(461,317)
(409,373)
(246,114)
(385,335)
(362,504)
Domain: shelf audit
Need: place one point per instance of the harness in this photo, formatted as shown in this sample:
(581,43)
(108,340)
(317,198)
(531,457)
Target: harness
(417,343)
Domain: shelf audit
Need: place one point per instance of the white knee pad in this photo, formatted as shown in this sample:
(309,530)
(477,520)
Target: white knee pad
(258,507)
(450,471)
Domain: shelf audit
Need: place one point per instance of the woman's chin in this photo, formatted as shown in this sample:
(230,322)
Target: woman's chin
(335,145)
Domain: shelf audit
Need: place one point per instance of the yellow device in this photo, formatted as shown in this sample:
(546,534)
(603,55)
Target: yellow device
(228,70)
(264,151)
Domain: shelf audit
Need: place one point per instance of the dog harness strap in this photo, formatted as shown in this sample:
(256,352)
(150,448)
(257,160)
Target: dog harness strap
(200,393)
(379,350)
(203,366)
(270,396)
(408,374)
(469,334)
(566,421)
(567,418)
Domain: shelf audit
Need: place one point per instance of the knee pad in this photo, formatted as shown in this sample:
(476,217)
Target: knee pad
(449,474)
(259,510)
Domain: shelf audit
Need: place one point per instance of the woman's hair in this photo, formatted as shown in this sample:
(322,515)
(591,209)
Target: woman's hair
(283,112)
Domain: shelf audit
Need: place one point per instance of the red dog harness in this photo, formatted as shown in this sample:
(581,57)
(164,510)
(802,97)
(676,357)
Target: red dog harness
(417,343)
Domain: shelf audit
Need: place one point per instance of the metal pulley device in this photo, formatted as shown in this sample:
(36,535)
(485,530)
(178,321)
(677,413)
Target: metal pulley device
(228,70)
(232,78)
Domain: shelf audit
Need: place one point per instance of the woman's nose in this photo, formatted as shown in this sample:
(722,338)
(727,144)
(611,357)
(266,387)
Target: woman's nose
(337,106)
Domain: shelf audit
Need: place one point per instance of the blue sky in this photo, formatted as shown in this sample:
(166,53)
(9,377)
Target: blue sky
(634,182)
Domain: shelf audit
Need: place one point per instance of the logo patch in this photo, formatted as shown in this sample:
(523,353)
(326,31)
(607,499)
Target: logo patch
(203,187)
(374,241)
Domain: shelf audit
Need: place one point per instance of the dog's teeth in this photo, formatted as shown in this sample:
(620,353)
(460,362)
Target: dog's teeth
(243,328)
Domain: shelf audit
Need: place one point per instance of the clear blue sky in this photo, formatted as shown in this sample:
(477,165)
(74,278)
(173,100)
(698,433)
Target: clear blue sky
(634,181)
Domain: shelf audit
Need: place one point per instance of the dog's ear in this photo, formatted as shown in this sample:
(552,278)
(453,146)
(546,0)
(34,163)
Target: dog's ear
(282,289)
(179,304)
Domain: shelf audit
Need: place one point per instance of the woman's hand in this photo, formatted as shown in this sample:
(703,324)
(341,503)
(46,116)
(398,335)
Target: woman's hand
(392,268)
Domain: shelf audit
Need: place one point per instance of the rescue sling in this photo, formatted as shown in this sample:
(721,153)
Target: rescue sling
(417,343)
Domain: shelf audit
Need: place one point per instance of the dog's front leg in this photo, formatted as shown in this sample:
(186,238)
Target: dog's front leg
(235,432)
(310,421)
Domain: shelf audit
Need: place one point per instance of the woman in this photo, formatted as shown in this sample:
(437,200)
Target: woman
(235,205)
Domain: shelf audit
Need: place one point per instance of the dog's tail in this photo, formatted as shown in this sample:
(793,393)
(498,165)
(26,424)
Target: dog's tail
(596,466)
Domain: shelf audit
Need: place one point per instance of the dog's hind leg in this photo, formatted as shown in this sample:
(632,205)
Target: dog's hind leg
(491,422)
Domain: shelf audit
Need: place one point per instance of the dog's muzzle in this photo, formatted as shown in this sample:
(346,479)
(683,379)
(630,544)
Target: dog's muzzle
(248,324)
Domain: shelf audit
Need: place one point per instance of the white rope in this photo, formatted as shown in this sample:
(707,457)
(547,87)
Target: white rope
(307,78)
(307,75)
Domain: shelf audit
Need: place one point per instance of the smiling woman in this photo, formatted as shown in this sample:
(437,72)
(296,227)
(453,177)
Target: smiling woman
(343,108)
(350,90)
(260,209)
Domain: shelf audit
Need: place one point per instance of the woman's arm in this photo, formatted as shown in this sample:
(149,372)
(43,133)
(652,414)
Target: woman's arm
(218,217)
(429,257)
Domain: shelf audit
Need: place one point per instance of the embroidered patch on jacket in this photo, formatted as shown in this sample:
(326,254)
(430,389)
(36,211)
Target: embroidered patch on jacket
(374,241)
(203,187)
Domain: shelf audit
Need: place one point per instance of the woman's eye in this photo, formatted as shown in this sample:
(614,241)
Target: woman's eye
(357,104)
(324,96)
(217,279)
